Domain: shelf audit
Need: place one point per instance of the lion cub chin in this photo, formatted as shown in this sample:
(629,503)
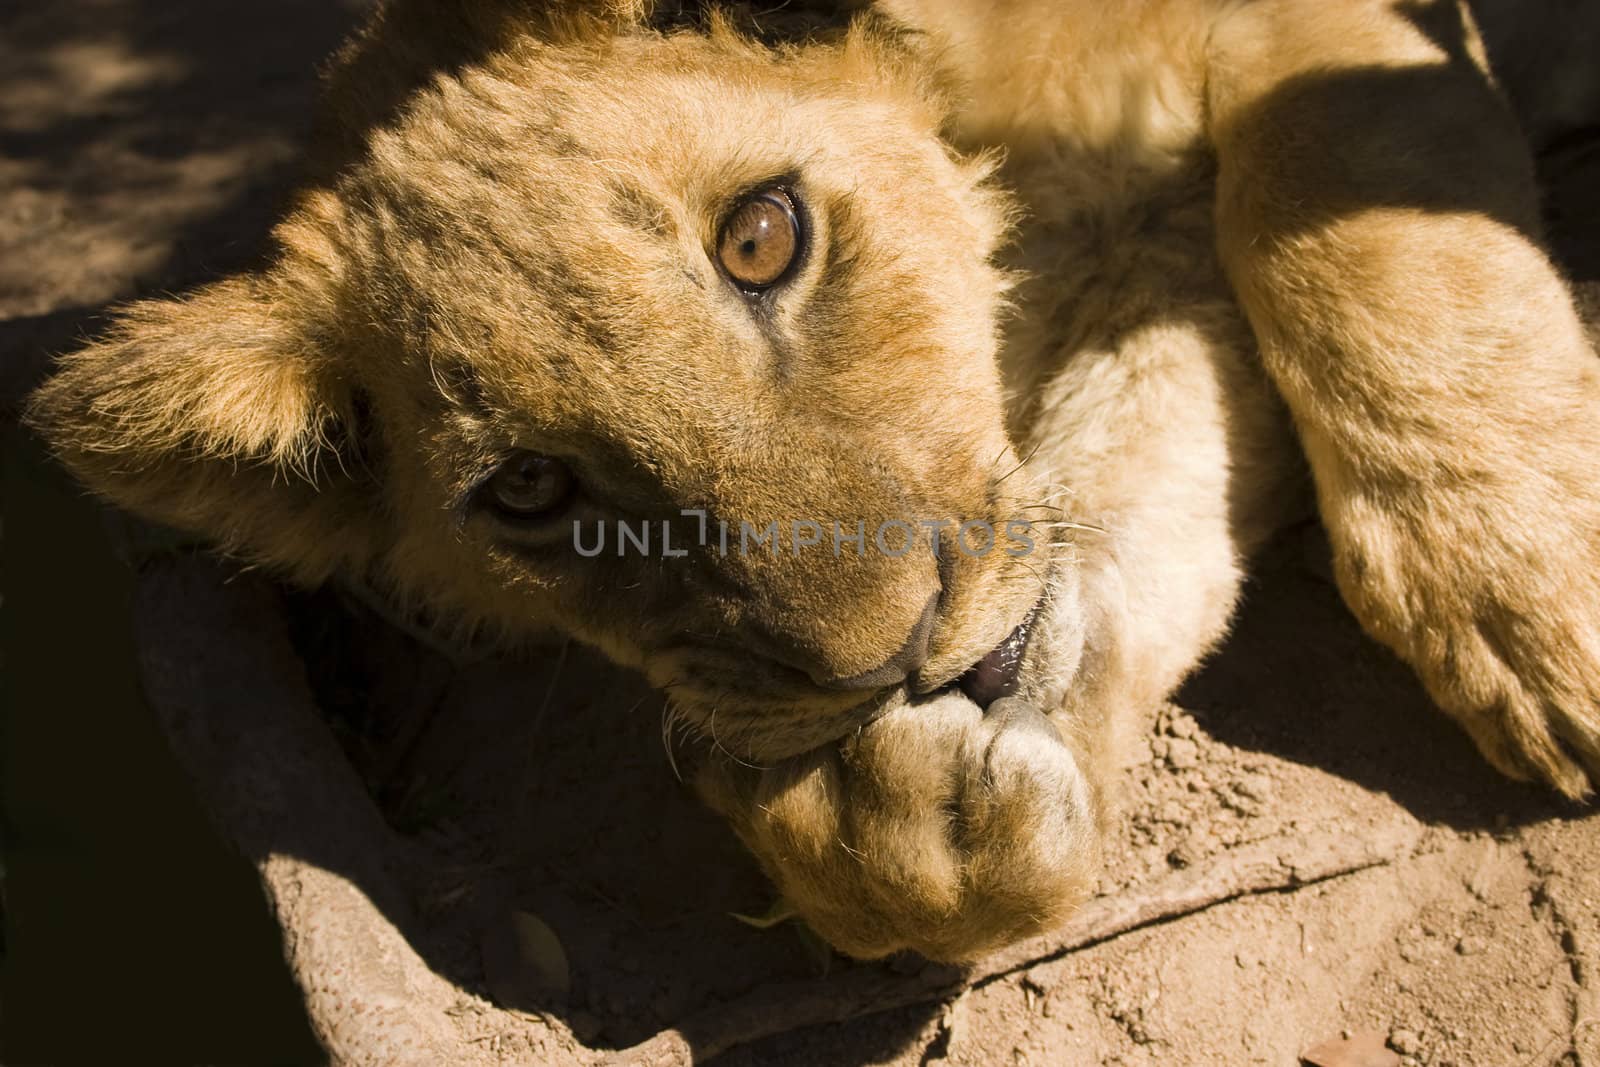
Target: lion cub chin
(777,303)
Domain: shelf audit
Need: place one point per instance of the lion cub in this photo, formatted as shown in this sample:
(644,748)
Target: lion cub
(681,333)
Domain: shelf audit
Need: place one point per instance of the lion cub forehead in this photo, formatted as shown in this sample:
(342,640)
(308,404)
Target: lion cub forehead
(682,117)
(555,188)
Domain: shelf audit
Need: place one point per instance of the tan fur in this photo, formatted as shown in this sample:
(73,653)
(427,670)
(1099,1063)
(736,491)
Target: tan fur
(505,244)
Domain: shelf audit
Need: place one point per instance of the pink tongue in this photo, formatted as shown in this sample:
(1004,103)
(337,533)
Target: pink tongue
(995,675)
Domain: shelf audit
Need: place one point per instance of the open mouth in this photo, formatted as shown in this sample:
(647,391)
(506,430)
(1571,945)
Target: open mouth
(996,675)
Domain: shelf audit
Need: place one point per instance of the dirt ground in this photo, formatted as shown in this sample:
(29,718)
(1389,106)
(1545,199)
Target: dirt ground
(146,145)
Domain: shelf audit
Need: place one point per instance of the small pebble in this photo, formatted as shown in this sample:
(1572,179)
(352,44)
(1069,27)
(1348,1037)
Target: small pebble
(1404,1042)
(1256,787)
(1182,753)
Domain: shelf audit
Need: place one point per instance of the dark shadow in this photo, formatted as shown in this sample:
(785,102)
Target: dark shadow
(1569,175)
(1422,137)
(29,343)
(1401,137)
(1298,678)
(133,931)
(542,784)
(872,1039)
(148,147)
(189,115)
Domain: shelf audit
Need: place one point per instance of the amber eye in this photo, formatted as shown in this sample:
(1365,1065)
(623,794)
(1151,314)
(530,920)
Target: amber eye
(760,240)
(529,486)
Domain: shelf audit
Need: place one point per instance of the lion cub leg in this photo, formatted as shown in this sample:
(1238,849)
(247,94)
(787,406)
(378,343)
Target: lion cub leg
(1377,217)
(1170,445)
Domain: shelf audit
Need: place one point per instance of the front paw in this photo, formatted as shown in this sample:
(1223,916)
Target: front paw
(937,827)
(1502,623)
(1526,685)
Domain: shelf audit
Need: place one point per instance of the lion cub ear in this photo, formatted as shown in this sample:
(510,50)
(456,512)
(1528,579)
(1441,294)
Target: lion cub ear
(216,413)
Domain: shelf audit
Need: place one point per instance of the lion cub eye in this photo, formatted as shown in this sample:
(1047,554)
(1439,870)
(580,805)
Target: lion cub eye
(529,486)
(760,240)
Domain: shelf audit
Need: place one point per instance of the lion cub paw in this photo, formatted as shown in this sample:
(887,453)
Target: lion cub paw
(1527,689)
(1506,636)
(937,827)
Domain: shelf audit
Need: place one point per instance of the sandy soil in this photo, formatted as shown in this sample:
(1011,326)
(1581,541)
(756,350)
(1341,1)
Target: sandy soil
(146,147)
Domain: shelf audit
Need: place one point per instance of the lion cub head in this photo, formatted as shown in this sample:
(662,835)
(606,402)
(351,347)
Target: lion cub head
(611,332)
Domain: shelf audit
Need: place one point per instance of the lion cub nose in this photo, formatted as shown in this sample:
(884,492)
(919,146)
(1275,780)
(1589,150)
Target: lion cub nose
(898,667)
